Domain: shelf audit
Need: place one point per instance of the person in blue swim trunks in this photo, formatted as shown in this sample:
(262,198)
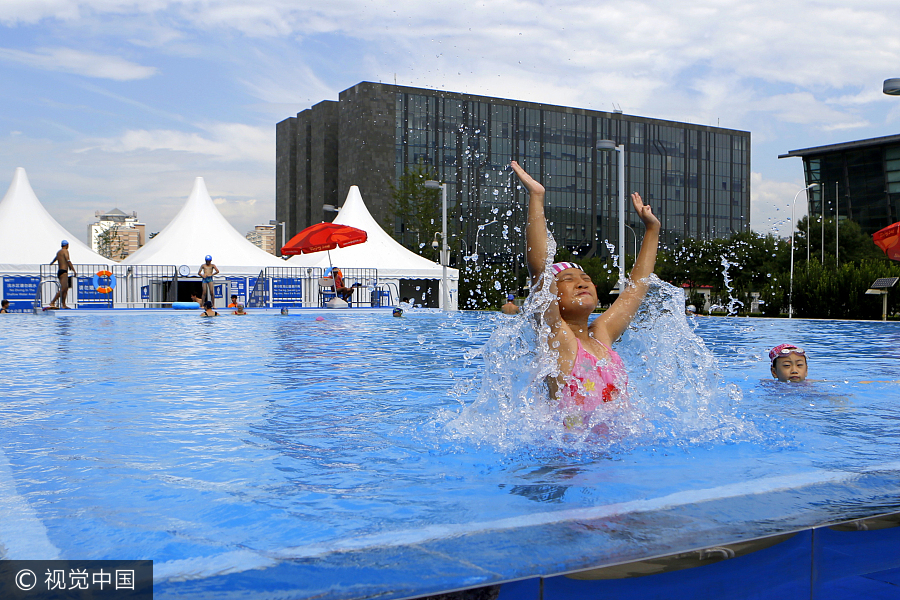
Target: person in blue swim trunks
(207,271)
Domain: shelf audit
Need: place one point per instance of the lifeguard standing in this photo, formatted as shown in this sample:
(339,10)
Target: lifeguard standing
(65,265)
(206,272)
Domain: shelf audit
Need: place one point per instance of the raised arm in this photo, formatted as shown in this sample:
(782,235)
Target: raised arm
(615,321)
(536,224)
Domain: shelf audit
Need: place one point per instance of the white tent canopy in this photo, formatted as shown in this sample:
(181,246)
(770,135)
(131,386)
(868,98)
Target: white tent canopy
(30,237)
(380,251)
(200,229)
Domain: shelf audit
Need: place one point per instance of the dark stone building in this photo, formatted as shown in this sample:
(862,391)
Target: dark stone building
(857,180)
(696,178)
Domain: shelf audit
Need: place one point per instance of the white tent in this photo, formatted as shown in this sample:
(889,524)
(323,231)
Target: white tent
(200,229)
(30,237)
(380,251)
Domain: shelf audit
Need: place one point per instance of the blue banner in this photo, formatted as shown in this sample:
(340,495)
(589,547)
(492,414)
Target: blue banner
(88,294)
(20,292)
(238,287)
(287,288)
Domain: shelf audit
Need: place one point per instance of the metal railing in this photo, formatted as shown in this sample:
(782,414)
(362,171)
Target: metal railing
(126,286)
(156,286)
(145,286)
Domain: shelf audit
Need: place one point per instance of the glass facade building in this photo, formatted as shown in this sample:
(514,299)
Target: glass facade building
(857,180)
(696,178)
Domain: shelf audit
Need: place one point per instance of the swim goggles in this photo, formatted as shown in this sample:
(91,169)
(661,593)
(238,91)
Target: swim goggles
(784,350)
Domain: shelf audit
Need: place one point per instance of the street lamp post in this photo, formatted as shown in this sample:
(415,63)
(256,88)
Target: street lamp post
(634,235)
(620,149)
(274,222)
(445,249)
(477,231)
(793,204)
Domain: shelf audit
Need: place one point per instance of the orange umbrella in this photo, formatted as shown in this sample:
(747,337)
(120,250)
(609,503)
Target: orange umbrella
(324,236)
(888,239)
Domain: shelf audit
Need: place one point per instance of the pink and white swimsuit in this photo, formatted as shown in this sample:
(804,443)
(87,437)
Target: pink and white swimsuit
(593,381)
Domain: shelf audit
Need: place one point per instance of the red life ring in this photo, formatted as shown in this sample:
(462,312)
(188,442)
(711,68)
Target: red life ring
(108,287)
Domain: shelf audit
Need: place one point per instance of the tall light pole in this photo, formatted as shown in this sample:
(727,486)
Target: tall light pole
(793,204)
(445,249)
(634,235)
(620,149)
(283,241)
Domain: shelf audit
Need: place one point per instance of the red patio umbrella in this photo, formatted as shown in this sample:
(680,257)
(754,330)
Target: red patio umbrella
(888,239)
(324,236)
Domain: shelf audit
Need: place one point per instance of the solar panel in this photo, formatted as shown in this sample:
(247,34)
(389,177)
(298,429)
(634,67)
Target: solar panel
(883,283)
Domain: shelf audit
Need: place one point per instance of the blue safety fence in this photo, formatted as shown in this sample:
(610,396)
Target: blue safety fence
(156,286)
(108,286)
(285,287)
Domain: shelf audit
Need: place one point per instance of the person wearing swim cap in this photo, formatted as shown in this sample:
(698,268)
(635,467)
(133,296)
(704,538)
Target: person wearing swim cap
(206,272)
(510,307)
(62,273)
(589,373)
(789,363)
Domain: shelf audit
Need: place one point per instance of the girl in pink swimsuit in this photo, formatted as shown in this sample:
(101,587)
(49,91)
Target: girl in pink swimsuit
(589,373)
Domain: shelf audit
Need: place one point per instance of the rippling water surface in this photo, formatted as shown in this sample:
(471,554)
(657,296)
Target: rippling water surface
(170,437)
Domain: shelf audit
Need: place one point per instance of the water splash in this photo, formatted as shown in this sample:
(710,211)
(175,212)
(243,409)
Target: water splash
(676,395)
(733,303)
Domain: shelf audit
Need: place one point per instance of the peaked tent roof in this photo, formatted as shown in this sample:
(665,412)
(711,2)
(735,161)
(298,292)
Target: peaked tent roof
(380,251)
(200,229)
(30,236)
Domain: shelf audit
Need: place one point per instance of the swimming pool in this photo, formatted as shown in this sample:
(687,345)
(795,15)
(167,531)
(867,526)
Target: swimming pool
(295,458)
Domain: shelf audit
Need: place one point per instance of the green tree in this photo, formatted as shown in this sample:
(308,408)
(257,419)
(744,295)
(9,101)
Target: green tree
(110,245)
(855,246)
(418,210)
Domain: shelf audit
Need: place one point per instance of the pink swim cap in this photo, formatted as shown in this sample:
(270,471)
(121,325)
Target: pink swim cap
(785,350)
(562,266)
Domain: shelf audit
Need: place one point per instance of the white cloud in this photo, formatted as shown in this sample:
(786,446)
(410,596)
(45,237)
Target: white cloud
(80,63)
(223,141)
(770,205)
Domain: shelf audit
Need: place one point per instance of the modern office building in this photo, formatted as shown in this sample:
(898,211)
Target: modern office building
(696,177)
(115,234)
(857,180)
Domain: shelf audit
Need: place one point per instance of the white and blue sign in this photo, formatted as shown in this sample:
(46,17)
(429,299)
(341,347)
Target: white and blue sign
(88,294)
(20,291)
(238,287)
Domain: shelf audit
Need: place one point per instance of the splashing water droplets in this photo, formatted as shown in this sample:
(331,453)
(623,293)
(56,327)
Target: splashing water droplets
(675,396)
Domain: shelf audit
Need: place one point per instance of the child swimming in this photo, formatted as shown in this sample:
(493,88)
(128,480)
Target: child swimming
(589,372)
(788,363)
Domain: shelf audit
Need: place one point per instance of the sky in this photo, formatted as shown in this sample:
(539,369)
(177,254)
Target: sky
(120,103)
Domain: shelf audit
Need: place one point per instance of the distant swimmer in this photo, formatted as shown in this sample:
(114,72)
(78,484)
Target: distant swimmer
(209,311)
(239,309)
(207,271)
(4,306)
(788,363)
(65,265)
(510,307)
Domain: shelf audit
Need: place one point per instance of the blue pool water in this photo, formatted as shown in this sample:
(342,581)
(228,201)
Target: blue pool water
(365,454)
